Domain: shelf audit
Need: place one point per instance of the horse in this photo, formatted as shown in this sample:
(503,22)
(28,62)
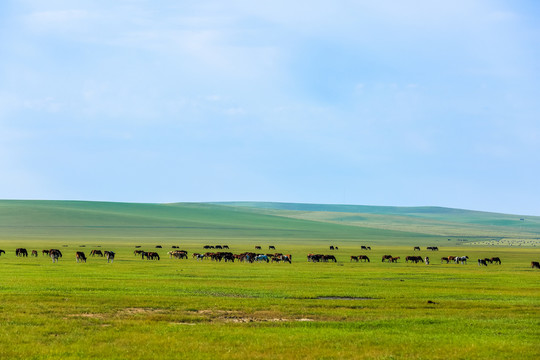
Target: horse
(225,246)
(21,252)
(433,248)
(355,258)
(54,254)
(482,262)
(219,247)
(364,258)
(394,259)
(445,259)
(96,252)
(386,257)
(151,256)
(461,259)
(45,252)
(496,260)
(80,256)
(535,265)
(2,252)
(426,260)
(257,247)
(363,247)
(138,252)
(34,253)
(270,247)
(414,259)
(416,248)
(327,258)
(110,256)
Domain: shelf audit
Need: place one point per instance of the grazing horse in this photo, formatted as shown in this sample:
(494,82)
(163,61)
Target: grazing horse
(80,256)
(394,259)
(138,252)
(109,255)
(45,252)
(355,258)
(270,247)
(496,260)
(34,253)
(461,259)
(225,246)
(150,255)
(327,258)
(54,254)
(416,248)
(96,252)
(433,248)
(364,258)
(21,252)
(386,257)
(445,259)
(535,265)
(482,262)
(257,247)
(426,260)
(415,259)
(2,252)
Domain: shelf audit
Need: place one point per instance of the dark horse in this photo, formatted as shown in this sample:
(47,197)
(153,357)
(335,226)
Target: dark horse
(21,252)
(80,256)
(2,252)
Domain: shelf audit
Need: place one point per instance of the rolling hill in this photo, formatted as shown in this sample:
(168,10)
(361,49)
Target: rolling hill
(244,221)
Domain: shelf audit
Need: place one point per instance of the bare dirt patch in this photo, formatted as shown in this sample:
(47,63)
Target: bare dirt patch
(240,317)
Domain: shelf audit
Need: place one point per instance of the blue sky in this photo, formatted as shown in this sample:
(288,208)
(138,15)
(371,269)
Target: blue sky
(401,103)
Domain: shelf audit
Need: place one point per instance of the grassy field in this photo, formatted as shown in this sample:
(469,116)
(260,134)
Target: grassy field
(140,309)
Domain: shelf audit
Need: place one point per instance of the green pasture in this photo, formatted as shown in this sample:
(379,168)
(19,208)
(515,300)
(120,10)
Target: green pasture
(167,309)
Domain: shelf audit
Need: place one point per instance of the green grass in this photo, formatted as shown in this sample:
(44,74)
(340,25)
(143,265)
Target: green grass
(139,309)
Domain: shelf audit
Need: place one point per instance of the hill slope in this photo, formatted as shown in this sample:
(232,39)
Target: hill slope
(33,220)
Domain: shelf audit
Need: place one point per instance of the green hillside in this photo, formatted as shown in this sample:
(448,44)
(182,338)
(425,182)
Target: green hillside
(461,226)
(241,222)
(185,221)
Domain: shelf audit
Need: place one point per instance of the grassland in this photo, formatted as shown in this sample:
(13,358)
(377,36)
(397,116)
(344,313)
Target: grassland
(139,309)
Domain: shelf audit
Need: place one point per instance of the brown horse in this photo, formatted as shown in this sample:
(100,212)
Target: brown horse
(80,256)
(355,258)
(386,257)
(96,252)
(364,258)
(496,260)
(34,253)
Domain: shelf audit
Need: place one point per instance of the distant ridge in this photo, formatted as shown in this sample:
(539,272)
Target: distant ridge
(371,209)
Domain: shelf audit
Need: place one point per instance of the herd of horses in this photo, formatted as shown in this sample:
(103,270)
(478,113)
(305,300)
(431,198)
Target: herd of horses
(56,254)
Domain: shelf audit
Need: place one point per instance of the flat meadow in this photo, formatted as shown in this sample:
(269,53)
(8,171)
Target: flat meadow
(187,308)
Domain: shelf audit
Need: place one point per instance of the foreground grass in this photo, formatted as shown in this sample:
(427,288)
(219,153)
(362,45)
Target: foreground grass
(135,309)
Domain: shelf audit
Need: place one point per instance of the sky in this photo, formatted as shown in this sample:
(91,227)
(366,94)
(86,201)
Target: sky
(387,102)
